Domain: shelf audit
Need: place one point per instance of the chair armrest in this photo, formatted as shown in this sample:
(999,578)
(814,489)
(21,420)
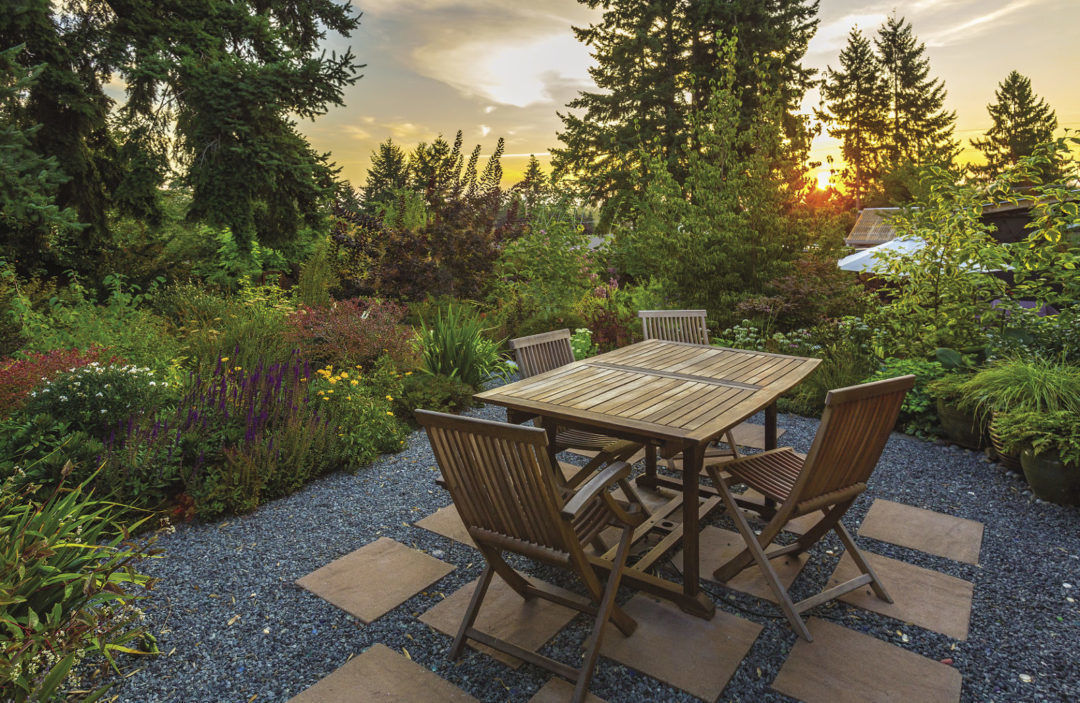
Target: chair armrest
(595,486)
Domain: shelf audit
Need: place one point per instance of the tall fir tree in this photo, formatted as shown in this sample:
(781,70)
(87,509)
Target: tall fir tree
(533,185)
(855,106)
(918,130)
(656,62)
(388,173)
(1021,121)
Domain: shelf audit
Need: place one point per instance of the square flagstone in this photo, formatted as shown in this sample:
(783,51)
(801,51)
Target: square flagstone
(381,674)
(748,434)
(504,614)
(844,666)
(717,546)
(559,691)
(698,656)
(376,578)
(934,533)
(447,522)
(929,599)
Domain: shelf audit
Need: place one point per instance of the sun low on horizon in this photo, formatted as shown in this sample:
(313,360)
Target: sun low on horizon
(494,69)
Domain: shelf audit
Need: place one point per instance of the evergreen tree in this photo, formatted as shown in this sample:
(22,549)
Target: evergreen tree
(1021,121)
(855,106)
(388,173)
(655,61)
(533,185)
(918,130)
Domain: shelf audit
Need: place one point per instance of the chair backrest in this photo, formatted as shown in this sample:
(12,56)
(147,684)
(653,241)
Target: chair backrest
(853,431)
(675,325)
(500,478)
(542,352)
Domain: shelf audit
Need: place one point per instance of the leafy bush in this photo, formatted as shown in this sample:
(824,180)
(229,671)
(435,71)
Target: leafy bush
(97,398)
(581,343)
(47,446)
(1023,384)
(365,424)
(1044,432)
(18,377)
(65,577)
(317,278)
(453,345)
(918,414)
(353,332)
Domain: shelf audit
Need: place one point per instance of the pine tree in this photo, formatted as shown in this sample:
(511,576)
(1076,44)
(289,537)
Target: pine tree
(855,107)
(533,185)
(389,172)
(918,130)
(1021,121)
(656,63)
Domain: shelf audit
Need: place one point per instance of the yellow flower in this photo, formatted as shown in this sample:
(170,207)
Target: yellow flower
(344,374)
(389,397)
(303,380)
(348,397)
(332,380)
(389,413)
(330,391)
(354,382)
(237,368)
(224,359)
(408,373)
(358,366)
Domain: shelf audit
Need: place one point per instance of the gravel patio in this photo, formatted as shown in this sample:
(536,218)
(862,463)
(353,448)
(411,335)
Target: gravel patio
(233,625)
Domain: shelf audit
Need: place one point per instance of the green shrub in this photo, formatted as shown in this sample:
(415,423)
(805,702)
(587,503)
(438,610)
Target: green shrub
(1044,432)
(918,414)
(317,278)
(453,344)
(1019,384)
(364,425)
(65,578)
(438,393)
(581,343)
(47,446)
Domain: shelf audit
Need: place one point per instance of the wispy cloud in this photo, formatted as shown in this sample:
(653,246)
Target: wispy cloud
(832,37)
(980,23)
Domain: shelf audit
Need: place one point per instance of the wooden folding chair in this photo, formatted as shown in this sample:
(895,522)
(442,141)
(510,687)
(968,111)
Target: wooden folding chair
(853,431)
(504,488)
(687,326)
(540,353)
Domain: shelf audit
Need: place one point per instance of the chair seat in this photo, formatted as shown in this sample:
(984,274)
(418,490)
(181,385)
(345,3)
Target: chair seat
(772,473)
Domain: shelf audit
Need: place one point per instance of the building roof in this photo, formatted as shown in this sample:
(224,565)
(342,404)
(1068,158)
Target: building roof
(872,228)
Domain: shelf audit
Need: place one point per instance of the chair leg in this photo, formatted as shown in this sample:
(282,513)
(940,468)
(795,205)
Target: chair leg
(471,612)
(512,578)
(603,613)
(860,561)
(757,553)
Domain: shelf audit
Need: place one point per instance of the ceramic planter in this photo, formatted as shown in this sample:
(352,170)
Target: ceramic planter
(1051,479)
(961,427)
(1009,461)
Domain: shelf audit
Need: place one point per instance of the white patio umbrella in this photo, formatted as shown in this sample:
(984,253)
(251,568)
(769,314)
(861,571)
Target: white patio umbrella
(866,260)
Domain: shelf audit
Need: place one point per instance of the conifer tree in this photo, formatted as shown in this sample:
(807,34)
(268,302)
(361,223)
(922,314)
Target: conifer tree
(389,171)
(656,61)
(855,107)
(1021,121)
(534,184)
(918,130)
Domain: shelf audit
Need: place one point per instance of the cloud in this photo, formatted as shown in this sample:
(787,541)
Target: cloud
(408,131)
(484,130)
(832,37)
(354,132)
(977,25)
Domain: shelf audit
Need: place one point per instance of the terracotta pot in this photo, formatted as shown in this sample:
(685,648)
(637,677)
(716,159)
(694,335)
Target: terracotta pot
(1009,461)
(1050,478)
(961,427)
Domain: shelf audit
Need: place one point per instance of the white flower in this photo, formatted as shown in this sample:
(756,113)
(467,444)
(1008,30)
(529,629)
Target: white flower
(102,411)
(99,395)
(33,394)
(153,383)
(63,398)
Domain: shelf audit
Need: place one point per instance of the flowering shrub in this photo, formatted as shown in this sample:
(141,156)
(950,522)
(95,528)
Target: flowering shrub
(581,343)
(18,377)
(98,397)
(365,425)
(353,332)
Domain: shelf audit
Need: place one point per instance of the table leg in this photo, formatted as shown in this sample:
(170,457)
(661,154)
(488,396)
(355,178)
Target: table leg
(693,459)
(770,443)
(552,430)
(649,479)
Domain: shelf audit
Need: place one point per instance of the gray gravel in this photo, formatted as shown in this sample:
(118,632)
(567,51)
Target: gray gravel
(285,639)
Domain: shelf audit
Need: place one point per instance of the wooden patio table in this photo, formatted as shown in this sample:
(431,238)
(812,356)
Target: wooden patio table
(672,395)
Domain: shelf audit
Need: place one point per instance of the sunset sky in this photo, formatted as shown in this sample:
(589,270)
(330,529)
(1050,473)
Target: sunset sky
(504,67)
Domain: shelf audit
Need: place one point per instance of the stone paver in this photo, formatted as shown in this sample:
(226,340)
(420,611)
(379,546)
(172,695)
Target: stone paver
(748,434)
(447,522)
(929,599)
(381,674)
(375,579)
(559,691)
(718,546)
(504,614)
(698,656)
(844,666)
(934,533)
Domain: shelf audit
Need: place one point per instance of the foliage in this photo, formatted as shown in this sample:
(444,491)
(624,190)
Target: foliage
(453,344)
(364,423)
(387,176)
(99,397)
(655,65)
(34,229)
(317,278)
(1022,120)
(66,588)
(948,388)
(723,229)
(428,392)
(1026,332)
(581,342)
(352,333)
(70,319)
(18,377)
(940,291)
(1045,432)
(48,447)
(814,291)
(918,414)
(1023,384)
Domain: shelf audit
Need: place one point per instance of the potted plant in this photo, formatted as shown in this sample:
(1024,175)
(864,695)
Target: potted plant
(1049,448)
(1020,385)
(962,425)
